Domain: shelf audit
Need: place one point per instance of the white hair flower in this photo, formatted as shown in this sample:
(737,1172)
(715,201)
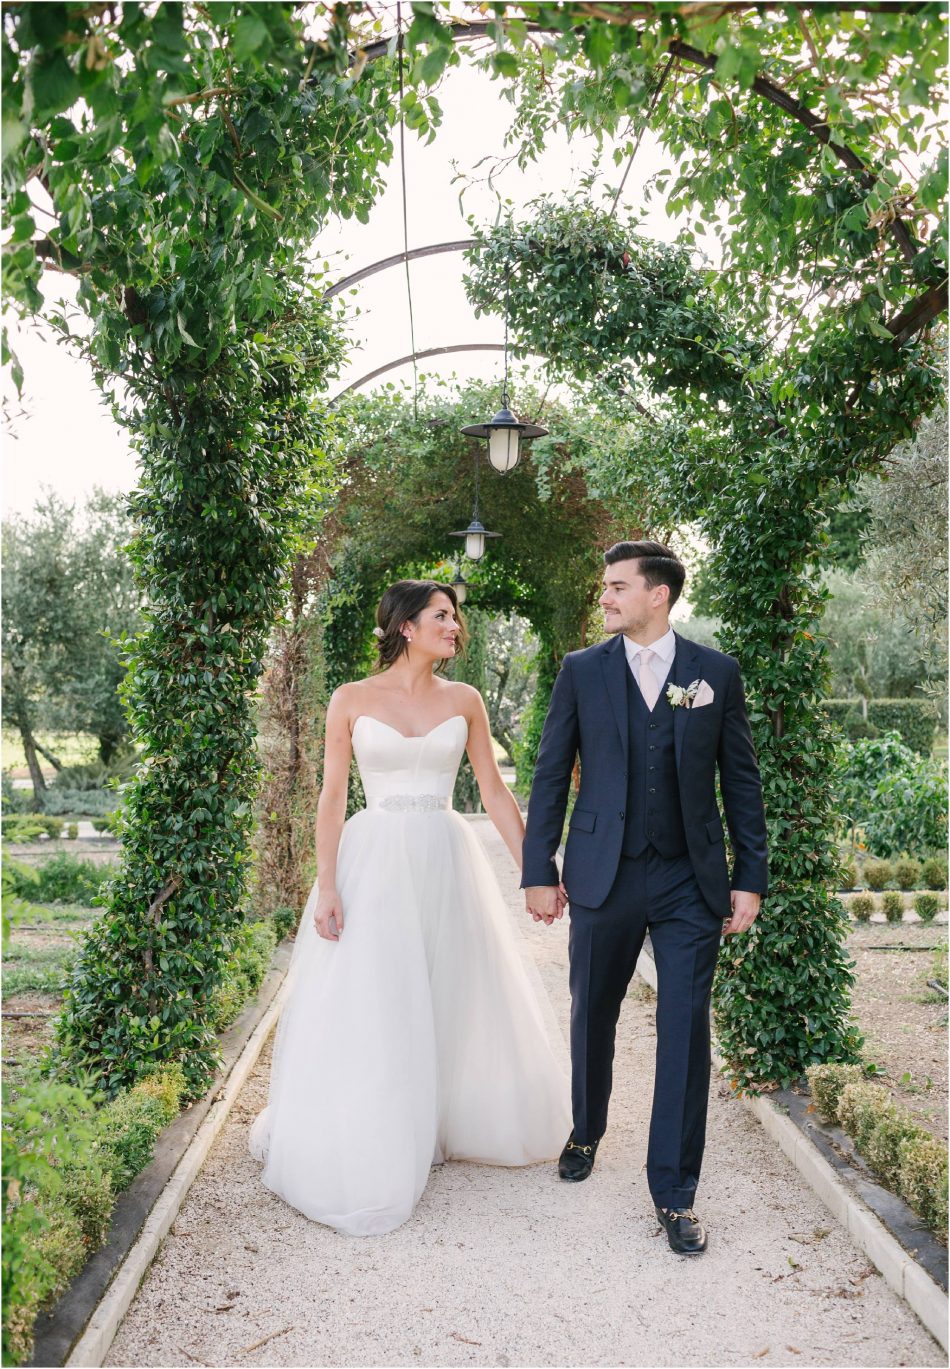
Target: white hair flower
(378,632)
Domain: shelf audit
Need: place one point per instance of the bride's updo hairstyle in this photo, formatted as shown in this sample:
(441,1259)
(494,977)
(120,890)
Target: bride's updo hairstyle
(403,602)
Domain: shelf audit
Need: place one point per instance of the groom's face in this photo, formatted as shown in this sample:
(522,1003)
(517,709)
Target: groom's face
(628,603)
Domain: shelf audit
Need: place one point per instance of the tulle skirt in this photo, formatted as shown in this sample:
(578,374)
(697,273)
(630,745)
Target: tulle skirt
(415,1038)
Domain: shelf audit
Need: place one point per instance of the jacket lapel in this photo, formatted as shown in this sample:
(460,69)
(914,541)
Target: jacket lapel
(685,671)
(614,663)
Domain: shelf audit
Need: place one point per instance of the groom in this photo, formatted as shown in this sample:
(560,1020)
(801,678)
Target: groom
(651,716)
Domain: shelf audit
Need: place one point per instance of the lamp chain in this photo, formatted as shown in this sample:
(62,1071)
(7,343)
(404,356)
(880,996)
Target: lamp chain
(505,404)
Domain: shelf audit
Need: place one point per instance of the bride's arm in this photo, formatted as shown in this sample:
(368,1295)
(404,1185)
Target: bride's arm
(497,799)
(331,814)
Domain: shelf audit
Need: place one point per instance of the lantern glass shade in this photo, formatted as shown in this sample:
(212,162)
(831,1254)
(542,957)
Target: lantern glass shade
(475,544)
(461,589)
(504,448)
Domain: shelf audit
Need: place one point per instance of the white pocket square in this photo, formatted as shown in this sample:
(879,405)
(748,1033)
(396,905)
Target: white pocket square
(704,695)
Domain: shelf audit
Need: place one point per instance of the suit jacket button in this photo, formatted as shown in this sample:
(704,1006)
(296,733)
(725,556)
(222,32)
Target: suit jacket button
(652,791)
(620,814)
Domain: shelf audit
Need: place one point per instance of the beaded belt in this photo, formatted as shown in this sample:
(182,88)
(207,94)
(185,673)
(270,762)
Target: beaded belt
(414,803)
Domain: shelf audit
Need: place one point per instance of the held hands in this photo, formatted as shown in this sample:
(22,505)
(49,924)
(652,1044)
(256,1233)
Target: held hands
(328,917)
(545,902)
(745,909)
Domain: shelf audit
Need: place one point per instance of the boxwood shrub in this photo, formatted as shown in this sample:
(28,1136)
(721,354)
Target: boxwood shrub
(878,874)
(861,907)
(906,1157)
(926,906)
(933,873)
(893,905)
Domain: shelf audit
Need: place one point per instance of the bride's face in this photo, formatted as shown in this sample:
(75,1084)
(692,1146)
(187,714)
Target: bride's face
(436,630)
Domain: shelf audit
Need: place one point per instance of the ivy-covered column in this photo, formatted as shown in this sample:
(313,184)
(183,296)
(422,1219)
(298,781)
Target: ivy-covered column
(224,487)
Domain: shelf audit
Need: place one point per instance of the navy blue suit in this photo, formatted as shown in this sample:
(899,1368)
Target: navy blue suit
(645,850)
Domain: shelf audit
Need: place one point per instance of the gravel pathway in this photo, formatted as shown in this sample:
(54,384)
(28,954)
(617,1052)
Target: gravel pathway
(513,1267)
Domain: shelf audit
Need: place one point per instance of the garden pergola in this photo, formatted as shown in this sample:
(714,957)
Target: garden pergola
(186,200)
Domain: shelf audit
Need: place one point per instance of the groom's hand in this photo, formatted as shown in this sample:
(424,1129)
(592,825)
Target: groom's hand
(745,909)
(544,902)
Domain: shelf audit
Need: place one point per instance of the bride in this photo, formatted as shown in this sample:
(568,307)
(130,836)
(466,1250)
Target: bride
(411,1034)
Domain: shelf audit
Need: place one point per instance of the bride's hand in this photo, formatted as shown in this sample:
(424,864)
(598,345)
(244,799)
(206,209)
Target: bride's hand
(328,917)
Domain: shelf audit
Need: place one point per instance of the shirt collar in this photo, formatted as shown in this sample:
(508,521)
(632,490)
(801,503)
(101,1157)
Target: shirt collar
(665,648)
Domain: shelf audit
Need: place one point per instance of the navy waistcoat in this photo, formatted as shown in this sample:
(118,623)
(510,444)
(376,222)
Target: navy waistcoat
(653,813)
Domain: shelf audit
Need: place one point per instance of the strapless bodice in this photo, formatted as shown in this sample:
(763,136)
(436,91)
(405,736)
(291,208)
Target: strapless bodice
(408,774)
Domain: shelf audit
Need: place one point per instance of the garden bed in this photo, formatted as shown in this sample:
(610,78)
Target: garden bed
(903,1020)
(68,1158)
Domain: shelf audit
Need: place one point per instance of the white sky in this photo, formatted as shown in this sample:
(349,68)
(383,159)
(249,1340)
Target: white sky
(66,439)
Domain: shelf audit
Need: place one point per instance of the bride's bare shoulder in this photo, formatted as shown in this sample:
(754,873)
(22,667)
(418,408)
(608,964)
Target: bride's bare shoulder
(345,699)
(465,697)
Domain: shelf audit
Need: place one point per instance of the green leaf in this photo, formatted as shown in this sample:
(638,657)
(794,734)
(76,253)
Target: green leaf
(52,85)
(599,44)
(184,331)
(505,63)
(433,64)
(738,62)
(250,38)
(13,133)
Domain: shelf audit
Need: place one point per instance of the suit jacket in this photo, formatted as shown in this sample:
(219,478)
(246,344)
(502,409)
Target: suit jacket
(588,717)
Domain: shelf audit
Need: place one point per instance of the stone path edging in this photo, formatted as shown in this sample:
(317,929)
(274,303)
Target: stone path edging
(100,1330)
(908,1279)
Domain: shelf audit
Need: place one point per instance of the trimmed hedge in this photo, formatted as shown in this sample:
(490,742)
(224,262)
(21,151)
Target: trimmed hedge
(30,826)
(912,718)
(906,1157)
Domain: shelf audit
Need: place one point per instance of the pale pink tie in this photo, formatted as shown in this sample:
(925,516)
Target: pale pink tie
(649,684)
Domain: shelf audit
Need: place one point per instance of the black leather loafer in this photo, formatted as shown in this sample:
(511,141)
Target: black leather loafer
(576,1161)
(686,1233)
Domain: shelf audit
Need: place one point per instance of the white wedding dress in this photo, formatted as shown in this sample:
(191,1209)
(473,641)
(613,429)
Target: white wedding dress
(416,1037)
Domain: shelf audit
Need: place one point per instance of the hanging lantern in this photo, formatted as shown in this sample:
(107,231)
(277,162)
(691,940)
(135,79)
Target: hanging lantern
(504,434)
(505,431)
(475,535)
(460,585)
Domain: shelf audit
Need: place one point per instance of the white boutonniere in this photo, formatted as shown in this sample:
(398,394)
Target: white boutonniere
(680,697)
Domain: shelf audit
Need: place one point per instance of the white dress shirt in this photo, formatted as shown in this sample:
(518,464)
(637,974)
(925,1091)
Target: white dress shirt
(664,649)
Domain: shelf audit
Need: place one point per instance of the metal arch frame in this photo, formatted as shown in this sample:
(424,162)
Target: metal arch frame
(419,356)
(436,249)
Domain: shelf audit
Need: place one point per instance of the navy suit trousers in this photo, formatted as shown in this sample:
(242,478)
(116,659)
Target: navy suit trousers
(659,894)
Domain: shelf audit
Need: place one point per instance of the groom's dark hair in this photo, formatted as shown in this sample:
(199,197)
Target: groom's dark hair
(658,564)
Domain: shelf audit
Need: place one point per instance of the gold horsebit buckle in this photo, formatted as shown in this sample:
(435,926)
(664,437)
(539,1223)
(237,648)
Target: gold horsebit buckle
(572,1145)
